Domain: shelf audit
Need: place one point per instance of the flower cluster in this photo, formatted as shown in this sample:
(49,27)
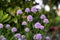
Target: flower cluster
(29,23)
(29,19)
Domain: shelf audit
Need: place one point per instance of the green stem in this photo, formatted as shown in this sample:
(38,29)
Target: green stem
(11,38)
(0,32)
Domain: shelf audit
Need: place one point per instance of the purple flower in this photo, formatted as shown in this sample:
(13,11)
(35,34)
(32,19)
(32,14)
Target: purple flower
(33,9)
(17,35)
(41,27)
(45,21)
(43,16)
(14,29)
(37,37)
(19,39)
(24,23)
(19,12)
(37,25)
(27,10)
(47,38)
(1,25)
(26,29)
(29,18)
(7,26)
(2,37)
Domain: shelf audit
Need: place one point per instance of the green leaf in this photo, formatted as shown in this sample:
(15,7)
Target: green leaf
(58,18)
(7,19)
(15,20)
(8,1)
(9,9)
(4,17)
(1,14)
(28,36)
